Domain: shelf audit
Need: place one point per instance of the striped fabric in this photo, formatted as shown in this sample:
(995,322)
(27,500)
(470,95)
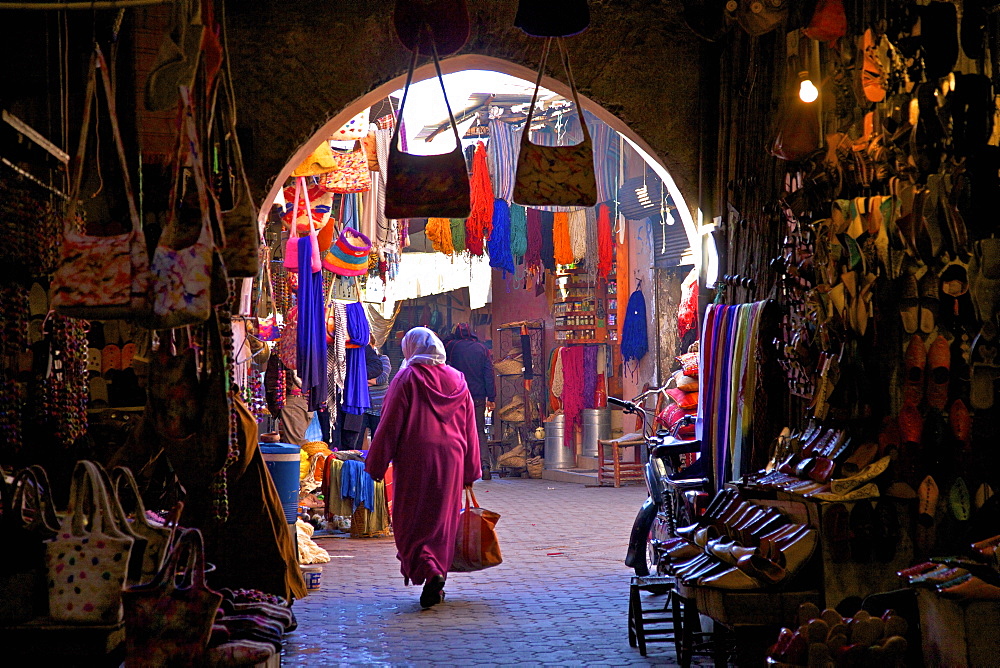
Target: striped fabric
(501,155)
(607,155)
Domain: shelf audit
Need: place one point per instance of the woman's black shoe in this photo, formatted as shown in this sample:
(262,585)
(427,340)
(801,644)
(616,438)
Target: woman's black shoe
(432,593)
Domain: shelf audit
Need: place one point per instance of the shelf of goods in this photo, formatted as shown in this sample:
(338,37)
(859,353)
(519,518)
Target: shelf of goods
(520,400)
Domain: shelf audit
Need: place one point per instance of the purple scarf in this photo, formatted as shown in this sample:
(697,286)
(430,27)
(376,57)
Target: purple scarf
(310,352)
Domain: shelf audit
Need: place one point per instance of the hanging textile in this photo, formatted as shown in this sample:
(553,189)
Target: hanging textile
(356,398)
(336,364)
(634,343)
(577,228)
(501,155)
(562,245)
(499,243)
(356,484)
(479,224)
(310,332)
(606,157)
(589,375)
(385,233)
(573,389)
(590,254)
(556,376)
(349,211)
(548,249)
(438,230)
(458,234)
(687,316)
(605,247)
(533,248)
(726,401)
(518,231)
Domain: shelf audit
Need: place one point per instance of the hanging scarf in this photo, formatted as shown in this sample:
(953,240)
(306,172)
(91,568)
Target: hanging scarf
(533,250)
(501,154)
(576,227)
(356,398)
(499,243)
(480,221)
(605,242)
(438,230)
(548,250)
(562,248)
(634,344)
(589,375)
(310,330)
(573,391)
(606,157)
(349,210)
(458,234)
(518,231)
(385,235)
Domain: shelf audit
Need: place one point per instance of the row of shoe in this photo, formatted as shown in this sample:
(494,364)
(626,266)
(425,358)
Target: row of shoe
(739,545)
(963,579)
(248,629)
(828,639)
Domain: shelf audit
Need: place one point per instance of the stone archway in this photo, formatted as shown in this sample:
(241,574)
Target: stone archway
(480,62)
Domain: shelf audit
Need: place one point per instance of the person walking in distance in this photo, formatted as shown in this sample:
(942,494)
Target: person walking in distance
(428,432)
(468,354)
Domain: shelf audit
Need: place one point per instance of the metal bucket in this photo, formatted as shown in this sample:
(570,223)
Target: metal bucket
(596,426)
(557,455)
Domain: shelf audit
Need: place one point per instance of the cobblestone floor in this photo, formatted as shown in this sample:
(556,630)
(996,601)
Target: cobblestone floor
(559,598)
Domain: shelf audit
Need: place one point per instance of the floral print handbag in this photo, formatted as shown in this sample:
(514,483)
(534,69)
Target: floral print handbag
(350,172)
(426,186)
(100,277)
(87,561)
(555,175)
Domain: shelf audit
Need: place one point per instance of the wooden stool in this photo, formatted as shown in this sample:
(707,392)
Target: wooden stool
(612,470)
(653,624)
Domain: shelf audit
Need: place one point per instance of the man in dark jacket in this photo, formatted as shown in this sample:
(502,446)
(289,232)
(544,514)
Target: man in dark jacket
(467,354)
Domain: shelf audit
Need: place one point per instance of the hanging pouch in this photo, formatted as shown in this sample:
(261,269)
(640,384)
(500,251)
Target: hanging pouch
(292,245)
(426,186)
(267,314)
(555,175)
(100,278)
(350,172)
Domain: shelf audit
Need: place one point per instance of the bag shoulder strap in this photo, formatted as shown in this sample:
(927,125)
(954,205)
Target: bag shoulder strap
(97,62)
(564,56)
(409,79)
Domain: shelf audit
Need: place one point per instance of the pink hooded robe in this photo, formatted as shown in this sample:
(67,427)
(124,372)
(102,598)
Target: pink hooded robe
(428,431)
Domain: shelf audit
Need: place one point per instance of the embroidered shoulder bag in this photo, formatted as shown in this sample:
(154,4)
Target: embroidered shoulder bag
(350,172)
(100,278)
(426,186)
(555,175)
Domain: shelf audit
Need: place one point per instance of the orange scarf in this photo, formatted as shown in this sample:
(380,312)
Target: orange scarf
(561,243)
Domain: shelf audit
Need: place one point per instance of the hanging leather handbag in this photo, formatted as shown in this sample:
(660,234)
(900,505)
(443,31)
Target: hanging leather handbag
(555,175)
(426,186)
(242,231)
(555,18)
(87,562)
(100,278)
(350,173)
(168,622)
(28,519)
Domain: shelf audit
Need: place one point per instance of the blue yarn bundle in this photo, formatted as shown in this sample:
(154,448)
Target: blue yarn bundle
(518,230)
(634,342)
(498,245)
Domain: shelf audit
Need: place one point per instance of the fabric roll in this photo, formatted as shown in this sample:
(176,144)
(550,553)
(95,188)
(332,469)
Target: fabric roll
(499,242)
(356,398)
(576,226)
(548,250)
(562,246)
(310,332)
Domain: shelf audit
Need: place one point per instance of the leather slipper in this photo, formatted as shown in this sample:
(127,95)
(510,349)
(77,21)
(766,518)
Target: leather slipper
(985,368)
(914,361)
(927,494)
(983,494)
(909,304)
(888,436)
(960,422)
(959,502)
(938,368)
(929,290)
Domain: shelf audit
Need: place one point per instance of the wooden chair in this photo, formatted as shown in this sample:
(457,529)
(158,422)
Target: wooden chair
(611,469)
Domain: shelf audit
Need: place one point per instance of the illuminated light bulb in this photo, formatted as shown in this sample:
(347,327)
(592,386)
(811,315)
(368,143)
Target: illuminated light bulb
(808,91)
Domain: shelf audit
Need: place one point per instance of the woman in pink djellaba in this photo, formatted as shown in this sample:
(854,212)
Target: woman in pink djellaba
(428,431)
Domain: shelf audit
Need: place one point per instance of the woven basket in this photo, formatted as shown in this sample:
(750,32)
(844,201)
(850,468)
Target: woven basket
(535,466)
(513,411)
(513,458)
(509,366)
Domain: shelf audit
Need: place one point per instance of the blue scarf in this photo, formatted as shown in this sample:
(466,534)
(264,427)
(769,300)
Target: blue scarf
(356,398)
(310,352)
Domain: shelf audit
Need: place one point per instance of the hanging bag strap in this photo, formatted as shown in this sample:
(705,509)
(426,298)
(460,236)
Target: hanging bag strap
(264,281)
(197,166)
(97,62)
(564,56)
(406,90)
(305,195)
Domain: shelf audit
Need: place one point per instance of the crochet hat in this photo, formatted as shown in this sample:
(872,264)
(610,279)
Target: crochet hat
(348,256)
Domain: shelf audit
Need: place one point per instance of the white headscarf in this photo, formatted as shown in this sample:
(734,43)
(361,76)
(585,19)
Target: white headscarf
(422,346)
